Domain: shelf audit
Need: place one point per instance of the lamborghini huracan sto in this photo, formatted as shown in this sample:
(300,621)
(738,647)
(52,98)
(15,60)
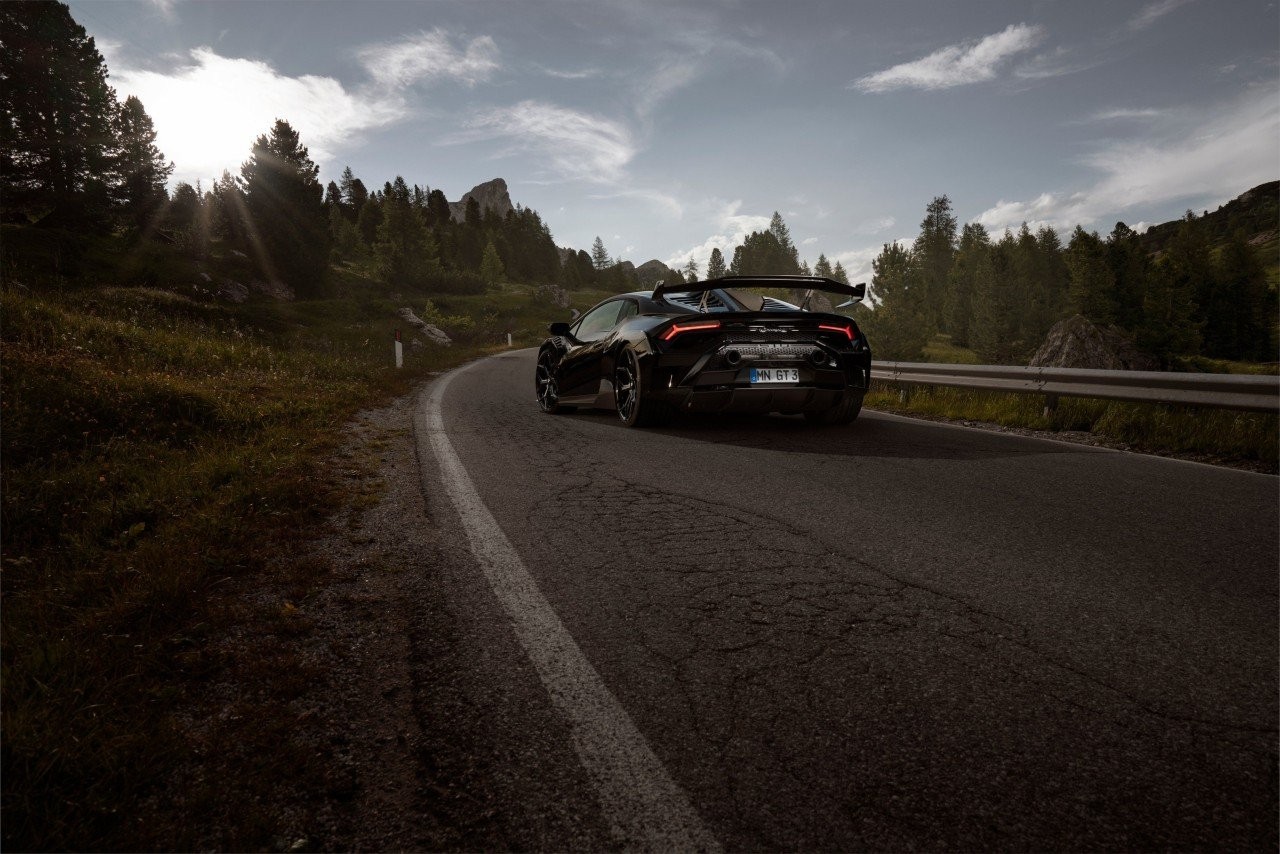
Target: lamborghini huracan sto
(723,345)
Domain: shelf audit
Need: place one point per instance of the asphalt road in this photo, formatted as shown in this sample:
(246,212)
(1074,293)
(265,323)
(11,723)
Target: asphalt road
(893,635)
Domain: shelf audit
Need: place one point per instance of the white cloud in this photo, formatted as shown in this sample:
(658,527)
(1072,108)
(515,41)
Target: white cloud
(428,56)
(164,7)
(208,113)
(668,203)
(732,229)
(956,65)
(875,226)
(808,241)
(1124,113)
(575,145)
(1153,12)
(584,74)
(1213,156)
(670,77)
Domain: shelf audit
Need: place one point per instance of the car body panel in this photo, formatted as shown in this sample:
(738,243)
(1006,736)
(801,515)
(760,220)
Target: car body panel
(696,348)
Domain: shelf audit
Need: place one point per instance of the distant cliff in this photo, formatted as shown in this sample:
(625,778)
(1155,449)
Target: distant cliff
(489,195)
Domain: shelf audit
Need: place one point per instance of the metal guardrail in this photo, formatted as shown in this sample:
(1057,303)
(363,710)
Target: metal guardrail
(1224,391)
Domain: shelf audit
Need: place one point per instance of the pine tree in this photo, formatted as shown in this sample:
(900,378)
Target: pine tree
(1055,289)
(491,265)
(1253,316)
(438,215)
(690,271)
(57,142)
(839,274)
(1092,283)
(992,330)
(140,169)
(822,267)
(599,257)
(935,251)
(287,227)
(226,213)
(352,193)
(369,220)
(715,266)
(1169,328)
(898,327)
(332,198)
(782,234)
(1130,266)
(1191,262)
(804,269)
(962,284)
(405,252)
(761,254)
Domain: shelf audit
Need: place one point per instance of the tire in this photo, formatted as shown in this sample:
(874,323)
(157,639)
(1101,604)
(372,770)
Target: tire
(545,385)
(843,412)
(632,397)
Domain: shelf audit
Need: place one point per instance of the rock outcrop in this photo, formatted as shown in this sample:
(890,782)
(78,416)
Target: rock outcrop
(553,294)
(1078,343)
(650,273)
(433,333)
(491,195)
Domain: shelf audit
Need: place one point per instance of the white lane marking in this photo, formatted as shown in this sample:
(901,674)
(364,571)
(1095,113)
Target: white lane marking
(643,805)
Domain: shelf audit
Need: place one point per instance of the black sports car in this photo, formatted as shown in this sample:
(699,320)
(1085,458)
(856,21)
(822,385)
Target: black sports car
(713,346)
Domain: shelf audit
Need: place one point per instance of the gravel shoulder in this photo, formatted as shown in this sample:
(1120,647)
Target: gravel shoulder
(369,700)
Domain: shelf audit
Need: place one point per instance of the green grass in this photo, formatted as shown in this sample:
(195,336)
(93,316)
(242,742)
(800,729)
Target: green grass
(1215,434)
(160,448)
(940,350)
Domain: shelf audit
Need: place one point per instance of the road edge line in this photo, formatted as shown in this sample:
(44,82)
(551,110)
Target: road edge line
(644,807)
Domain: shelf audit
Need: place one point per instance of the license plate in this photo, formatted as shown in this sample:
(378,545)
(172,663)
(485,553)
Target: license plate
(775,375)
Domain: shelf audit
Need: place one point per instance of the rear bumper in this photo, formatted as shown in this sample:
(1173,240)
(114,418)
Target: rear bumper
(788,399)
(705,383)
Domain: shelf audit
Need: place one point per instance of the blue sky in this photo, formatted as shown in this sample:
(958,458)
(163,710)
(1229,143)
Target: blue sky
(670,128)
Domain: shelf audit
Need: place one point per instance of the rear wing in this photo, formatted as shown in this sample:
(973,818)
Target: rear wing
(809,283)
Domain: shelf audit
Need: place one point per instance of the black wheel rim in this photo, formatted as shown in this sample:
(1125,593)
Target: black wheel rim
(624,388)
(547,393)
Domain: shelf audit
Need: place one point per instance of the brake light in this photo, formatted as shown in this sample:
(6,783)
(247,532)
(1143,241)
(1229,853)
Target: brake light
(689,327)
(847,330)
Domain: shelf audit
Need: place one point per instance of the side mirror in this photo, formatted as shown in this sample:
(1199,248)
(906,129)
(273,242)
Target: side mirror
(559,328)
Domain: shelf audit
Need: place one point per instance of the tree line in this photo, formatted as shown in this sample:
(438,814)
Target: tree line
(74,158)
(1000,296)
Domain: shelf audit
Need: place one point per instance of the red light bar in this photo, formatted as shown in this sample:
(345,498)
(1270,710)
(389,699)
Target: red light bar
(847,330)
(689,327)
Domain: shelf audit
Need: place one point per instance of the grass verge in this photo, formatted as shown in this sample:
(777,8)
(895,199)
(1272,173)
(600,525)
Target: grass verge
(1213,435)
(159,449)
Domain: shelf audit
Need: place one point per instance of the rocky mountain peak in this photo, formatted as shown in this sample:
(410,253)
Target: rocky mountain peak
(489,195)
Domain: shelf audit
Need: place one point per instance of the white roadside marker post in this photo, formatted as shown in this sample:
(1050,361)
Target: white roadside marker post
(508,339)
(399,351)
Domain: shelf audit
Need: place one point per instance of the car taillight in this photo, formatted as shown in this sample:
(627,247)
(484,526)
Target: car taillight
(689,327)
(847,330)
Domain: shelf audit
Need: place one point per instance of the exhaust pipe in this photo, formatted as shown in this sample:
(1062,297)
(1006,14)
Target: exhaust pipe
(732,357)
(818,357)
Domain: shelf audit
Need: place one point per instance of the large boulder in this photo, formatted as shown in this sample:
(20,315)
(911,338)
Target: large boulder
(433,333)
(1079,343)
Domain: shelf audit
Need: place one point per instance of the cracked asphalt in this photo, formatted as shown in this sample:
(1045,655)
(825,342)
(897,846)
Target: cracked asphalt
(895,635)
